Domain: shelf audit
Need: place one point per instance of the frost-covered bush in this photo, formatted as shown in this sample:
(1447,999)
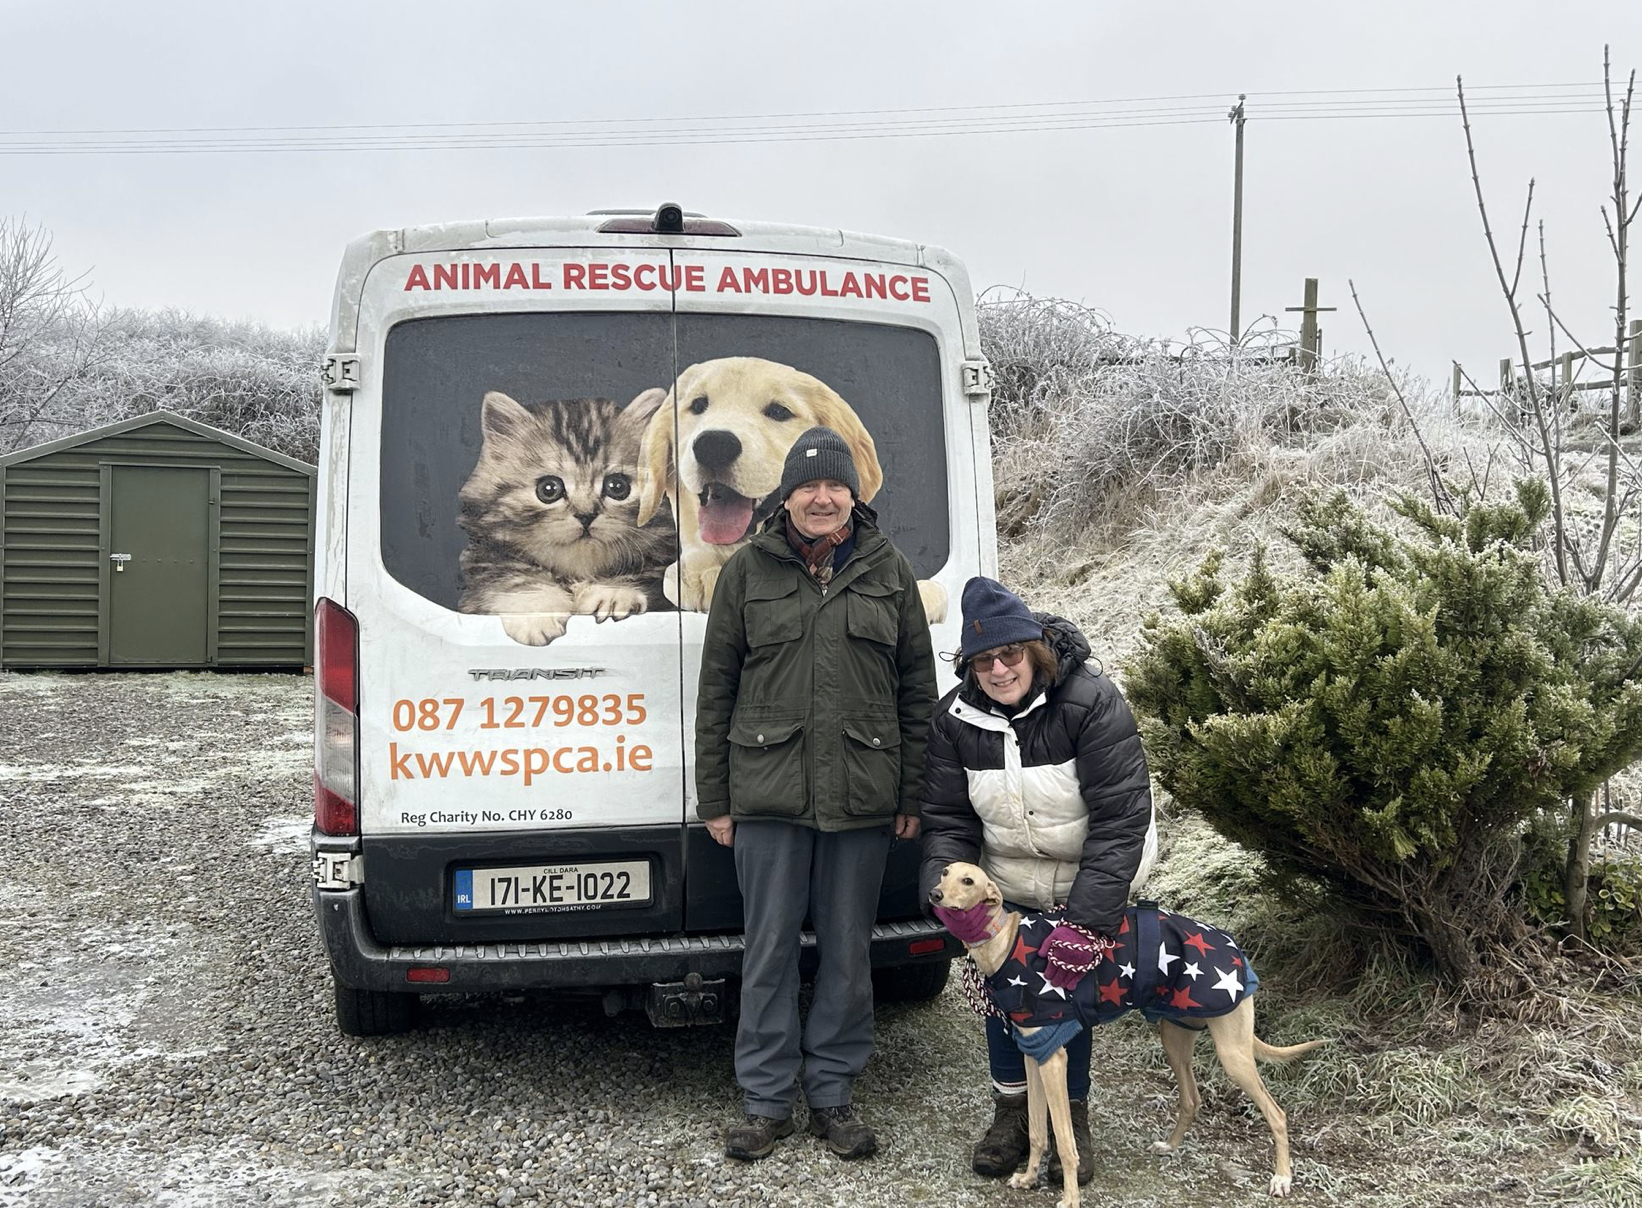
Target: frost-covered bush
(255,381)
(1097,433)
(1390,719)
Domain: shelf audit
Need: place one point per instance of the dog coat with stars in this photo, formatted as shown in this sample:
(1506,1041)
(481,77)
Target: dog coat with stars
(1164,965)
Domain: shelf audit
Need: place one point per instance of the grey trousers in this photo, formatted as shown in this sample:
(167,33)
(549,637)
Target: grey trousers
(786,870)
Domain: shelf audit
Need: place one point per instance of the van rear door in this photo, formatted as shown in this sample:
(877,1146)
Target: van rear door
(521,766)
(884,342)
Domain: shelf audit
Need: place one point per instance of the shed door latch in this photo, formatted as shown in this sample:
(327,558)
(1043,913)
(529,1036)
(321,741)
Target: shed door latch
(119,560)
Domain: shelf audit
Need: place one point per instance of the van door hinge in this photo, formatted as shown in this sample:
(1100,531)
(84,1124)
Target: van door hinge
(340,374)
(977,377)
(338,869)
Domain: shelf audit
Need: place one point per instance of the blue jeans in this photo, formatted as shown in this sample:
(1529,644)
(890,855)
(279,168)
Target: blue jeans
(1009,1067)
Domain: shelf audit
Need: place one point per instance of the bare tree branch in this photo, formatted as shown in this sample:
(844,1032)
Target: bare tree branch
(1439,493)
(1584,354)
(1525,449)
(1522,240)
(1548,447)
(1619,141)
(1545,277)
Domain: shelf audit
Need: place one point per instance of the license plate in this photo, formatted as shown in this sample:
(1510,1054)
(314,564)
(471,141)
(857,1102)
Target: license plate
(546,887)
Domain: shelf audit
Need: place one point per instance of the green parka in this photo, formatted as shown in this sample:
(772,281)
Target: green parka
(814,705)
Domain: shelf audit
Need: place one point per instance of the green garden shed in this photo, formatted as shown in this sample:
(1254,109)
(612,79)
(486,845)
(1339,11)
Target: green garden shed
(155,542)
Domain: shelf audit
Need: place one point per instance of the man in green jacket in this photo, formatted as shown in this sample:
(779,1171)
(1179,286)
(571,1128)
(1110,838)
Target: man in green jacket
(817,685)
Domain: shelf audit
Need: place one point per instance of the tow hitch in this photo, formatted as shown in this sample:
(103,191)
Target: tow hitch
(687,1003)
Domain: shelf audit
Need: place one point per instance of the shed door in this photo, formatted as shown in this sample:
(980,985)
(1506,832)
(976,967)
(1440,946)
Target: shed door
(160,517)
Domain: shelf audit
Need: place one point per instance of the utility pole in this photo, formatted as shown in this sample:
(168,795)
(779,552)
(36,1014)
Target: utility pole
(1236,118)
(1311,336)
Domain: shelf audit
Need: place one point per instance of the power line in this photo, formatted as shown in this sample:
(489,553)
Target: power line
(1064,116)
(1217,97)
(1580,103)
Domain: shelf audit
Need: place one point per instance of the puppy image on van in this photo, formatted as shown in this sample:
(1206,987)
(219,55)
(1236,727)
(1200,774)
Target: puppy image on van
(735,419)
(551,512)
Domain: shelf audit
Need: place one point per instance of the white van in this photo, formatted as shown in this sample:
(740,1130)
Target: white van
(542,438)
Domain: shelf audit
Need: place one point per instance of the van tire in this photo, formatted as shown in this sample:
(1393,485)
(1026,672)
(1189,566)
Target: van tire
(374,1012)
(920,982)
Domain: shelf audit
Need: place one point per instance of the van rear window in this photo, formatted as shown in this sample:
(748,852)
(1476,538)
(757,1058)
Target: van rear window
(527,455)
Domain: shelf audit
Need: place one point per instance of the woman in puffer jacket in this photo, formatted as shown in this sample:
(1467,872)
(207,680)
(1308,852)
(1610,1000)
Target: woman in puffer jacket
(1035,772)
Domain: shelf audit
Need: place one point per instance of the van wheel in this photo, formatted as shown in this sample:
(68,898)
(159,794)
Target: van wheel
(374,1012)
(910,983)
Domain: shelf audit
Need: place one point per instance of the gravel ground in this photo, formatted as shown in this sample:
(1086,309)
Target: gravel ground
(166,1036)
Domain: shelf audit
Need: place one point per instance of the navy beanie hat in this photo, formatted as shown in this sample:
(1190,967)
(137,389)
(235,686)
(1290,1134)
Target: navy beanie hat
(819,453)
(995,616)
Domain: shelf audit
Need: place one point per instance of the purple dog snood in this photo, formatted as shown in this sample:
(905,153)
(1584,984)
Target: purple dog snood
(971,925)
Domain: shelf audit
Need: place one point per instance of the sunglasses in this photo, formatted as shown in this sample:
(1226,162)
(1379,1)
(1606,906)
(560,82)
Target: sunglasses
(1009,656)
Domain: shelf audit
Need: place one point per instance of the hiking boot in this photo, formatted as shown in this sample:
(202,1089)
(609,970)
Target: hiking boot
(1003,1146)
(844,1132)
(1085,1144)
(755,1137)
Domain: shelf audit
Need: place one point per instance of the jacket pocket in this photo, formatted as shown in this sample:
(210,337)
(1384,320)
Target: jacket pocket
(872,766)
(871,612)
(767,767)
(771,612)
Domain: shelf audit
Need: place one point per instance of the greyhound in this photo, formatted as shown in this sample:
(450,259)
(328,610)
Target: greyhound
(965,887)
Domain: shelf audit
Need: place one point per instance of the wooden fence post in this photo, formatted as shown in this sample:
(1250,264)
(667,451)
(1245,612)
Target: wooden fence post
(1507,392)
(1459,377)
(1633,404)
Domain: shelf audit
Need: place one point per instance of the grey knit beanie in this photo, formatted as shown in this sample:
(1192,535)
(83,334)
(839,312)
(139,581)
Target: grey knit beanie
(820,453)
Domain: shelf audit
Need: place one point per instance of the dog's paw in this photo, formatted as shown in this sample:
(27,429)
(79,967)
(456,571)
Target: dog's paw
(1019,1180)
(610,601)
(934,597)
(1282,1184)
(537,630)
(696,589)
(1162,1147)
(669,585)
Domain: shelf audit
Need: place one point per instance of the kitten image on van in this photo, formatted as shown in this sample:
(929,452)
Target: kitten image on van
(551,512)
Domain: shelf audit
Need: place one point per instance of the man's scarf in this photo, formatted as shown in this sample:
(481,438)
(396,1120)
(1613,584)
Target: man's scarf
(817,553)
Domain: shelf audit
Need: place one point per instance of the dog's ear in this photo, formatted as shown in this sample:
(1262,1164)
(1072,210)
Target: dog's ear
(838,415)
(655,454)
(502,417)
(634,417)
(993,895)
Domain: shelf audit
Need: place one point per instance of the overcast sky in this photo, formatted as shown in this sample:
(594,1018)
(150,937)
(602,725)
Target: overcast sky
(1135,220)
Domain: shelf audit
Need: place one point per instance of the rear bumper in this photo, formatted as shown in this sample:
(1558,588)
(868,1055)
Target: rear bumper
(595,963)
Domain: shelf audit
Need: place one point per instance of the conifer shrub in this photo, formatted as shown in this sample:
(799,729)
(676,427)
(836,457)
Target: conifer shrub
(1389,719)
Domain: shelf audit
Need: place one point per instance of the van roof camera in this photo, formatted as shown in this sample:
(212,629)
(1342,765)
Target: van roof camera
(669,219)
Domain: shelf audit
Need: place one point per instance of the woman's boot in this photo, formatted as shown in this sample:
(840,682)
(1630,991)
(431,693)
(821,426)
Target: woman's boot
(1085,1144)
(1003,1146)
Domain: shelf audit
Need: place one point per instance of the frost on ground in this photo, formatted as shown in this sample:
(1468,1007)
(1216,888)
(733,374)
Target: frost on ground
(167,1037)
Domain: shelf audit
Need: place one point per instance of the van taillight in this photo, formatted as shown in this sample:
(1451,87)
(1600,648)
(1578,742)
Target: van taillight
(336,719)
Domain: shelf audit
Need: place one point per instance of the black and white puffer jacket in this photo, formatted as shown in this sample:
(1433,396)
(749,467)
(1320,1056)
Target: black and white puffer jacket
(1054,803)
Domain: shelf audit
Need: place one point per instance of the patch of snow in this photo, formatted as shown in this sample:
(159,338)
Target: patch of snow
(283,836)
(72,1015)
(41,773)
(19,1170)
